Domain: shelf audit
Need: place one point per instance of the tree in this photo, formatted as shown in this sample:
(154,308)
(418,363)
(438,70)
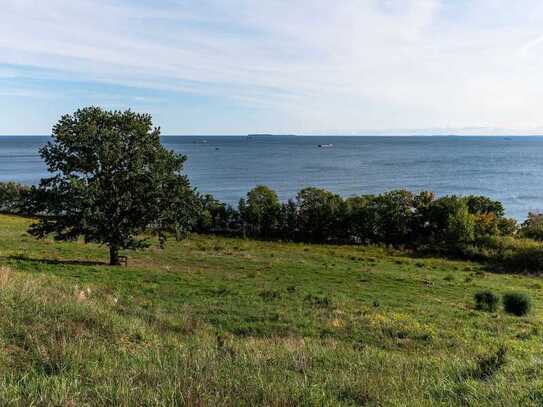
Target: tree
(321,215)
(461,227)
(451,225)
(482,205)
(394,213)
(261,211)
(532,227)
(420,221)
(111,181)
(361,218)
(288,224)
(213,215)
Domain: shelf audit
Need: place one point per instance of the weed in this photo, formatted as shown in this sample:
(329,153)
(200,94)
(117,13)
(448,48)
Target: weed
(269,295)
(487,366)
(318,301)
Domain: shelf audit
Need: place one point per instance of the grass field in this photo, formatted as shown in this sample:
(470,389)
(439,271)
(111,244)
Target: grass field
(216,321)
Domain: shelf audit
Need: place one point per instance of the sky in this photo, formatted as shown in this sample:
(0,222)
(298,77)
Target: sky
(281,66)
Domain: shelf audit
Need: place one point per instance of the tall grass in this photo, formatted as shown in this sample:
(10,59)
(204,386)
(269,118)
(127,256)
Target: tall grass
(71,346)
(230,322)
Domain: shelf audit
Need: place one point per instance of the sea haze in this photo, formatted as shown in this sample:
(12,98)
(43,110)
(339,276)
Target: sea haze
(509,169)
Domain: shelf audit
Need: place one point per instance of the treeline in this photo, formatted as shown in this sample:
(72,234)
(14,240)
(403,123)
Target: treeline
(469,227)
(399,218)
(466,226)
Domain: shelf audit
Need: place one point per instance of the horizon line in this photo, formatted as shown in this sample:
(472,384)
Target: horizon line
(262,135)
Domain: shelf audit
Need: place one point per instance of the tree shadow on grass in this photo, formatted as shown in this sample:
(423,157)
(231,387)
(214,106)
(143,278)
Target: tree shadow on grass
(57,262)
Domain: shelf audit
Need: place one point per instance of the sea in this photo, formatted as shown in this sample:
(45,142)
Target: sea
(509,169)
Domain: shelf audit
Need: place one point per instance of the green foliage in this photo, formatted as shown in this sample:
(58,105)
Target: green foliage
(508,254)
(393,216)
(479,205)
(532,227)
(11,197)
(320,215)
(459,226)
(450,225)
(507,226)
(486,225)
(486,300)
(261,210)
(361,219)
(288,224)
(213,216)
(111,181)
(517,303)
(421,228)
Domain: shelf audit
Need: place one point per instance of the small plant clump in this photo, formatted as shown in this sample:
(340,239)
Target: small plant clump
(518,304)
(488,366)
(318,301)
(486,300)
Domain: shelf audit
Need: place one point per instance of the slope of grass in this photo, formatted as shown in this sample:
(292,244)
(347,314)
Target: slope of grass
(216,321)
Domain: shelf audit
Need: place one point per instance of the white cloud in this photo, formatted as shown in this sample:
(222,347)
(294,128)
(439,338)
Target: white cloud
(351,64)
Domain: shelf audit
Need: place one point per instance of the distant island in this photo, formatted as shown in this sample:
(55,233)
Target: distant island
(270,135)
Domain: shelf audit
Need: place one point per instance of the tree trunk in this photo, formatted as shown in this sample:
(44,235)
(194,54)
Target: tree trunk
(114,256)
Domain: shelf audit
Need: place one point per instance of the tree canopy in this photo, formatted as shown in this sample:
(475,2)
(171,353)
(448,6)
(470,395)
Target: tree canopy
(261,210)
(111,180)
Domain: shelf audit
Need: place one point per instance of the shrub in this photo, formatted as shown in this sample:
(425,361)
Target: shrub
(486,300)
(11,197)
(518,304)
(507,226)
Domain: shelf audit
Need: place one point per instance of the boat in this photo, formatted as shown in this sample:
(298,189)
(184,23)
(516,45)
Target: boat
(326,145)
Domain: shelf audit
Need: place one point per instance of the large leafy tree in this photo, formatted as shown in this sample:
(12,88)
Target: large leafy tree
(261,210)
(321,215)
(112,180)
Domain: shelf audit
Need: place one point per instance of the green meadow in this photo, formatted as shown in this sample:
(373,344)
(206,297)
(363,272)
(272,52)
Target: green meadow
(212,321)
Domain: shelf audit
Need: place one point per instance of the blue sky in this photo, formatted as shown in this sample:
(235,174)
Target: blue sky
(304,66)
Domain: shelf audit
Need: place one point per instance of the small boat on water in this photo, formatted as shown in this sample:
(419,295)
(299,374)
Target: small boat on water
(326,145)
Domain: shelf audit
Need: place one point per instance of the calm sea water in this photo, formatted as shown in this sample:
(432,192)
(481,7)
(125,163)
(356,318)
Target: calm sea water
(510,170)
